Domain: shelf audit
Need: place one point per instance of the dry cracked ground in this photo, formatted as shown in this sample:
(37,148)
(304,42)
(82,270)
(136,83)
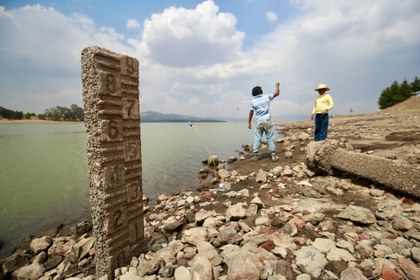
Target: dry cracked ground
(268,220)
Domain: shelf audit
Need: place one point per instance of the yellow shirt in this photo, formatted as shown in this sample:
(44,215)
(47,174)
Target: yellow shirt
(322,102)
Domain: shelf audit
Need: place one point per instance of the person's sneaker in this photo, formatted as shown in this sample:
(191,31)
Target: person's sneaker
(274,158)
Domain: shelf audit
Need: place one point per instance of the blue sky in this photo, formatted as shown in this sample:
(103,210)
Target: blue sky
(202,58)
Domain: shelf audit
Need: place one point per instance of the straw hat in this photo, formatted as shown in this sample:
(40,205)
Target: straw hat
(322,86)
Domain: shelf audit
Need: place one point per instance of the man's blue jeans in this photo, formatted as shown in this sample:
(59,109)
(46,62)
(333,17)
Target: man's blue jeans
(321,127)
(264,127)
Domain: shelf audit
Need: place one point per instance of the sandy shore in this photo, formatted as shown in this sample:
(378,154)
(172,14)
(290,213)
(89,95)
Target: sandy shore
(7,121)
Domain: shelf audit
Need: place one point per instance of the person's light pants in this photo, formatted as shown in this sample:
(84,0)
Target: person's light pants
(265,127)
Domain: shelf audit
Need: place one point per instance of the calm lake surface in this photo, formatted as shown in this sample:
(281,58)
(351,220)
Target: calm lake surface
(43,169)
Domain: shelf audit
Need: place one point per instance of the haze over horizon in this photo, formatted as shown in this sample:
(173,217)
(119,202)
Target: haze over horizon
(202,58)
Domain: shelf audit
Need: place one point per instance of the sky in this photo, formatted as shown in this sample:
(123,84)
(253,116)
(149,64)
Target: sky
(202,58)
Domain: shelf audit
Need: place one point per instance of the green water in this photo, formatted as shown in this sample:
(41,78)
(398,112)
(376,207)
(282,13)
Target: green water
(43,174)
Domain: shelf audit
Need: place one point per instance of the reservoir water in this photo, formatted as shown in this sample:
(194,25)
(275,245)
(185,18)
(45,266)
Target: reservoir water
(43,172)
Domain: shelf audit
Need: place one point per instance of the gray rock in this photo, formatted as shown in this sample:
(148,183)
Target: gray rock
(52,262)
(213,160)
(174,226)
(201,268)
(364,250)
(243,265)
(168,253)
(276,277)
(201,215)
(182,273)
(314,218)
(415,252)
(195,235)
(40,244)
(148,267)
(231,159)
(15,261)
(303,276)
(223,173)
(310,260)
(303,136)
(167,271)
(227,235)
(261,177)
(287,172)
(258,202)
(324,245)
(289,229)
(61,245)
(262,221)
(79,250)
(31,272)
(284,268)
(402,224)
(352,273)
(190,216)
(337,254)
(130,275)
(288,154)
(235,212)
(357,214)
(205,249)
(252,210)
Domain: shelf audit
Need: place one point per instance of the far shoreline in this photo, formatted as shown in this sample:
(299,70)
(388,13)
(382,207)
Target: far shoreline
(7,121)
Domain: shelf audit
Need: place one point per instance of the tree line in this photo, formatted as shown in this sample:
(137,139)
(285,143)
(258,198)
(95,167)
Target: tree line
(395,93)
(398,92)
(57,113)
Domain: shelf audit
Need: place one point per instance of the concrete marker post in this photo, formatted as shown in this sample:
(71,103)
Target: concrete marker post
(112,120)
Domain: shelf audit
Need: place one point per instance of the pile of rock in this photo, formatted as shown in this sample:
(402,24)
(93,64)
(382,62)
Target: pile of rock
(53,256)
(268,235)
(280,224)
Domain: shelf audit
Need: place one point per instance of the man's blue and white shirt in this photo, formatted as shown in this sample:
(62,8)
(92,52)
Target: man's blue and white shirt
(261,106)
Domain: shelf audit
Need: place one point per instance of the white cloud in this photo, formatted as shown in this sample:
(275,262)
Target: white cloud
(192,60)
(182,37)
(271,16)
(133,24)
(355,47)
(40,53)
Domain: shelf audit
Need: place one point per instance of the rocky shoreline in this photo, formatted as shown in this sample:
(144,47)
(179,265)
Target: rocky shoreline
(268,220)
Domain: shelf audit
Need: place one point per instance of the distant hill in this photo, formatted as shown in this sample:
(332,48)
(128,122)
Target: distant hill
(151,116)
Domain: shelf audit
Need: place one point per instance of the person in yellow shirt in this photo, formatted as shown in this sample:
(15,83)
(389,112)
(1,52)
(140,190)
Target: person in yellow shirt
(323,103)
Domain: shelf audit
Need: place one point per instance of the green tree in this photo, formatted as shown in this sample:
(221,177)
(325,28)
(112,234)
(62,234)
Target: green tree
(5,113)
(415,85)
(58,113)
(78,113)
(397,93)
(28,115)
(53,113)
(10,114)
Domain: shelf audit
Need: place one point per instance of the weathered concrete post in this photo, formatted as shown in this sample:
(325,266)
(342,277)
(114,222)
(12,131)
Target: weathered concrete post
(112,119)
(396,175)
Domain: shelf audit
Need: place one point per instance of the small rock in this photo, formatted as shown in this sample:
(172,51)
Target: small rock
(357,214)
(352,273)
(402,224)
